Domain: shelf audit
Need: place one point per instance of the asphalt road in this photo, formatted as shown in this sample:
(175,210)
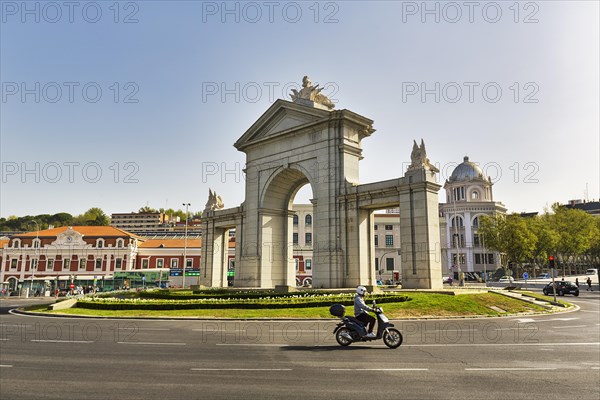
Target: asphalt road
(551,356)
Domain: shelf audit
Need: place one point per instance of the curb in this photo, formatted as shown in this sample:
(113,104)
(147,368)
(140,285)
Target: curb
(516,296)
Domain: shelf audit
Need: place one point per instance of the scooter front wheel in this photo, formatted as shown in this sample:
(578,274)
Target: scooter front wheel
(343,336)
(392,338)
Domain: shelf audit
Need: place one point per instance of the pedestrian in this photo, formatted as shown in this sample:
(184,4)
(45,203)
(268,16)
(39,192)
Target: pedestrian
(589,282)
(577,282)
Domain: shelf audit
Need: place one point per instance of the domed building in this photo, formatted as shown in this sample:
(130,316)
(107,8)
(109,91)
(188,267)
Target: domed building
(468,196)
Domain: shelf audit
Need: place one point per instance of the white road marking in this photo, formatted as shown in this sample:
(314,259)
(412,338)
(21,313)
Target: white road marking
(60,341)
(571,326)
(524,320)
(156,343)
(241,369)
(500,344)
(379,369)
(5,366)
(145,329)
(510,369)
(420,345)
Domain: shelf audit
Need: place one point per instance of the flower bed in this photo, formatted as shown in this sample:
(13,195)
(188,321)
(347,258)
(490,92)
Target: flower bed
(269,301)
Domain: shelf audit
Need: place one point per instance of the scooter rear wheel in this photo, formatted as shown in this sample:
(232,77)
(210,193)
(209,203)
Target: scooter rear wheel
(342,336)
(392,338)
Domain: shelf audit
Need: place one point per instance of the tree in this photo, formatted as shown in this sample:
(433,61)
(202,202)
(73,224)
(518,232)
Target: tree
(509,234)
(547,238)
(576,229)
(92,217)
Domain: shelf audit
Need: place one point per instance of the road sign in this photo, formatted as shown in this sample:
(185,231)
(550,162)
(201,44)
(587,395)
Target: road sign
(525,275)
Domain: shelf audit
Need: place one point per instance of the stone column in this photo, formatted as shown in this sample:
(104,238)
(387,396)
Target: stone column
(419,231)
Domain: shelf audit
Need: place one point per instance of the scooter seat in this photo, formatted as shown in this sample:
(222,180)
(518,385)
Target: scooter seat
(355,320)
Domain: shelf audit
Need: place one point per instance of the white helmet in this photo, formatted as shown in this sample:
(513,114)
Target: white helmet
(361,290)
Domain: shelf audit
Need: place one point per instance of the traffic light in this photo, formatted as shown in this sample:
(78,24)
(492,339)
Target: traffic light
(551,261)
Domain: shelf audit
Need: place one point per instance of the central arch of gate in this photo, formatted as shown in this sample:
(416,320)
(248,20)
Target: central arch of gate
(304,142)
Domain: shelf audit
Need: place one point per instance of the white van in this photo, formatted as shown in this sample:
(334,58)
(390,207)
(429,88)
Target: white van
(591,271)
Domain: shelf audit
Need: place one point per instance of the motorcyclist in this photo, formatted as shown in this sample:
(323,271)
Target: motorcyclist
(361,311)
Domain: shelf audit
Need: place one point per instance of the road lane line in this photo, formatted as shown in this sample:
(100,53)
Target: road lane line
(156,343)
(511,369)
(500,344)
(568,327)
(5,366)
(254,344)
(379,369)
(145,329)
(60,341)
(241,369)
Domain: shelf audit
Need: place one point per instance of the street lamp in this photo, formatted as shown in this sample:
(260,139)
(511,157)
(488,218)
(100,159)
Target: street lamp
(384,268)
(36,247)
(185,243)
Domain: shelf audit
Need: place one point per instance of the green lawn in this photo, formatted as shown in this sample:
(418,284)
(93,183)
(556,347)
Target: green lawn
(420,305)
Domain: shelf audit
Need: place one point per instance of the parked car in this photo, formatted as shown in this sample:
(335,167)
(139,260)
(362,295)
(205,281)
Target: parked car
(562,288)
(545,275)
(591,271)
(506,279)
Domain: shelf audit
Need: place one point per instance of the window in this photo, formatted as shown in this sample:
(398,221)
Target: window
(100,243)
(376,264)
(17,243)
(189,263)
(308,264)
(160,263)
(462,258)
(36,243)
(459,193)
(475,240)
(389,227)
(458,240)
(98,263)
(120,243)
(295,238)
(308,219)
(13,263)
(376,227)
(82,263)
(145,263)
(50,266)
(376,240)
(474,195)
(297,262)
(174,263)
(457,222)
(295,219)
(118,263)
(34,263)
(67,264)
(490,258)
(389,264)
(389,240)
(308,238)
(476,222)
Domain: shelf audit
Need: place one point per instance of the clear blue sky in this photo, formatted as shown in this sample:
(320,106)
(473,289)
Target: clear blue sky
(163,122)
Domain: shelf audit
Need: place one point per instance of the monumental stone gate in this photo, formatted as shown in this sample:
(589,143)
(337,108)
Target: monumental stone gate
(306,141)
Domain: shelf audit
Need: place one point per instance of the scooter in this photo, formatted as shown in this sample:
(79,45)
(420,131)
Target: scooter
(351,330)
